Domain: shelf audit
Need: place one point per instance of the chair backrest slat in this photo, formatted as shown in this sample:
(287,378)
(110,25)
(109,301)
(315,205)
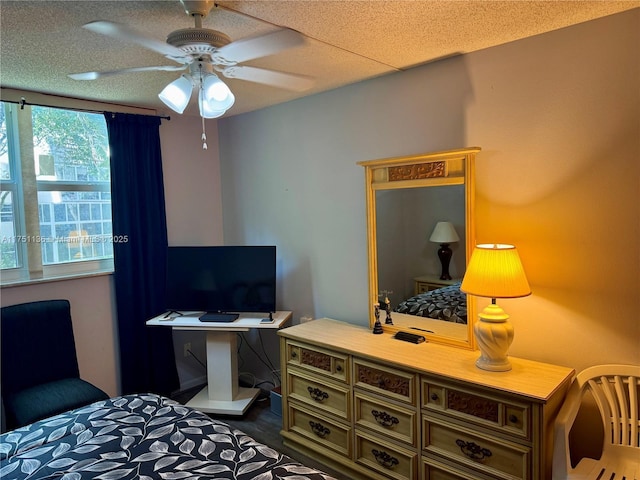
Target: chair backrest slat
(602,394)
(617,399)
(623,407)
(634,415)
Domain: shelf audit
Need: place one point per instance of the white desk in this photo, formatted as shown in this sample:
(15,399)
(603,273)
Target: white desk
(225,395)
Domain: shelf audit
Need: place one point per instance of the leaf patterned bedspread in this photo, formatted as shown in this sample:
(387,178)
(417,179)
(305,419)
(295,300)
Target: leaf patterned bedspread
(145,437)
(446,303)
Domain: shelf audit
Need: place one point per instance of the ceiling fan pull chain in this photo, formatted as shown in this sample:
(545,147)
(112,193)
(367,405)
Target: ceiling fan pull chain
(201,93)
(204,136)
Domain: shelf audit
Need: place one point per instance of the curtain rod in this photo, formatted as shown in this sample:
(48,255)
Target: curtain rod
(24,102)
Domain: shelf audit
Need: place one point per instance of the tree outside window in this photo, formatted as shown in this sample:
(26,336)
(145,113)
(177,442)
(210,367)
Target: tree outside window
(56,195)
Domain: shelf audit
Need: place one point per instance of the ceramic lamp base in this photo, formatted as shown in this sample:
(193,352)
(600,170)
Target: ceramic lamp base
(494,334)
(444,254)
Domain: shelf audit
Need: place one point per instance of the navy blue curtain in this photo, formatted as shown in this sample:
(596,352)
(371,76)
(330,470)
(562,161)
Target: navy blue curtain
(147,362)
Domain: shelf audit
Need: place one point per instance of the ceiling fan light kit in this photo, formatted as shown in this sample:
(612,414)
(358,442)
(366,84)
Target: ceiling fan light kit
(176,95)
(205,51)
(214,97)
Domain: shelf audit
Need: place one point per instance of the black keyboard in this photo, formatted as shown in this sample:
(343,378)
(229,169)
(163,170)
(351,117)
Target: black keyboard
(218,317)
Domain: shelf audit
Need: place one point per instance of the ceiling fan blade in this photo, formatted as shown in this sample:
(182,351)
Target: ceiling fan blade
(95,75)
(288,81)
(117,30)
(255,47)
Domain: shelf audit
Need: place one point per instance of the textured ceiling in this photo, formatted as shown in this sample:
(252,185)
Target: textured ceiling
(347,41)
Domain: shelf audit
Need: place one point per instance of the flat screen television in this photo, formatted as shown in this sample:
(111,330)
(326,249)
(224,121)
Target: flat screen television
(221,279)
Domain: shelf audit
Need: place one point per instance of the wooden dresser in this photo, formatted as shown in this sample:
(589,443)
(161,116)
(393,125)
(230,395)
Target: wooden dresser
(377,408)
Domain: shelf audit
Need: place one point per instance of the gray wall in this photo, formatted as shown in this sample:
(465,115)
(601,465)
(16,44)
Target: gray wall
(557,118)
(290,176)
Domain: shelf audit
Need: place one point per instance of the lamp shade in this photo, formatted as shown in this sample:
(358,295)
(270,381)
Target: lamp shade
(176,95)
(444,233)
(206,111)
(495,271)
(216,93)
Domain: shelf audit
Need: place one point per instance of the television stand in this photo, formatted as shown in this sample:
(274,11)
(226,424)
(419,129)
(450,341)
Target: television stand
(222,317)
(223,393)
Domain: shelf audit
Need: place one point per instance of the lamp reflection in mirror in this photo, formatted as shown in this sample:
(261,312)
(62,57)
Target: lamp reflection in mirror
(444,233)
(494,271)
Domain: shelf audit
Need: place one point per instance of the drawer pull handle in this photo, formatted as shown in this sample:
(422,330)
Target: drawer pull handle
(473,450)
(319,429)
(317,394)
(384,459)
(384,419)
(513,419)
(434,397)
(294,354)
(339,368)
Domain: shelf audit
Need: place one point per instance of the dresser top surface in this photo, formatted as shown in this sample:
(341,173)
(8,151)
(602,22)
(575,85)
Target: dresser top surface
(535,380)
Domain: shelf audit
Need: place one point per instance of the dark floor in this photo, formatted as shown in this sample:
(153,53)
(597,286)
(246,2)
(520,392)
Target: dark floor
(260,423)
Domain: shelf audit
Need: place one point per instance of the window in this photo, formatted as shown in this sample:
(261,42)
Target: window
(55,199)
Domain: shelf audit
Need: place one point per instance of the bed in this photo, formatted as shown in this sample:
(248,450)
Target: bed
(447,303)
(143,437)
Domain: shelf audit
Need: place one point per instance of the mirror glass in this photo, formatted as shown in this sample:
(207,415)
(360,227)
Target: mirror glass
(406,198)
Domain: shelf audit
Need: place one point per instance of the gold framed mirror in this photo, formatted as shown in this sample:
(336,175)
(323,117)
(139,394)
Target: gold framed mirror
(406,198)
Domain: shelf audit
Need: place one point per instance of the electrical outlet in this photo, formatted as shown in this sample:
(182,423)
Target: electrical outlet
(187,347)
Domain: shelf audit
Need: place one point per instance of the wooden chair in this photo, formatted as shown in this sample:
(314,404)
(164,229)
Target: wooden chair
(615,390)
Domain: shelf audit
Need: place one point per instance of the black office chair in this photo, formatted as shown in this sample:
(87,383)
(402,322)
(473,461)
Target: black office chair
(39,371)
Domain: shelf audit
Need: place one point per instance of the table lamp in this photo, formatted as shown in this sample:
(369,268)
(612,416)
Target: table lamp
(494,271)
(444,234)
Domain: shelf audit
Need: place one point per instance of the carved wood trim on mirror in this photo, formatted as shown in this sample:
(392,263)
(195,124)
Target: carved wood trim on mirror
(418,171)
(398,229)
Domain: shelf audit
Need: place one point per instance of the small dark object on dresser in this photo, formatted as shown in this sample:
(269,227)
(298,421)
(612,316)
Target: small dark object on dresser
(409,337)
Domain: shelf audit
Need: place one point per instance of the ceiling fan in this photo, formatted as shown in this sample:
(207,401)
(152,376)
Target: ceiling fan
(203,52)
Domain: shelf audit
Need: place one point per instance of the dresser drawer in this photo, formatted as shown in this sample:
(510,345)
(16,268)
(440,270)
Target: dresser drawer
(384,457)
(490,411)
(497,458)
(320,429)
(318,360)
(382,416)
(394,383)
(436,471)
(327,396)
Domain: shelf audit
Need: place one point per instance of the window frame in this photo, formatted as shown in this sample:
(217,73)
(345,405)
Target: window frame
(14,185)
(30,266)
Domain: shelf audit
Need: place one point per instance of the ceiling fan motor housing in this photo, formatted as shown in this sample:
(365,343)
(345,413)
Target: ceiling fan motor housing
(198,40)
